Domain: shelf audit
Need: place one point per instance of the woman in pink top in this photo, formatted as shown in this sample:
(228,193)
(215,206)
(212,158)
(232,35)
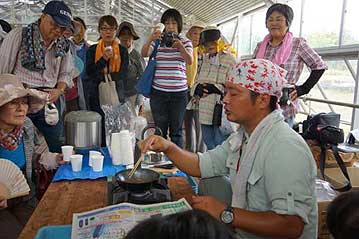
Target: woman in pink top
(290,53)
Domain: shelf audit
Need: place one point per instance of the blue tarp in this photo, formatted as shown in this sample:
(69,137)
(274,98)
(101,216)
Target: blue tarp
(64,172)
(50,232)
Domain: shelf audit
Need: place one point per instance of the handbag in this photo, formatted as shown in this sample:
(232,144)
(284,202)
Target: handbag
(107,92)
(144,84)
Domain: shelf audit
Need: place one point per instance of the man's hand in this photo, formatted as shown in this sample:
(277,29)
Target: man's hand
(208,204)
(54,94)
(155,143)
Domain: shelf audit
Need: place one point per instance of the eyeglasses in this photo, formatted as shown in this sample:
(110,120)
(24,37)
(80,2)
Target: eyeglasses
(110,29)
(14,104)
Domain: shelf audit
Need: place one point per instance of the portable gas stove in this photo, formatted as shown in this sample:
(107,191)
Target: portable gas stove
(159,192)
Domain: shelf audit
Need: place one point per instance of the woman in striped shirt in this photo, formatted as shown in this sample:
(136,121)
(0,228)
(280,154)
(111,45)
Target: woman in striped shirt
(169,94)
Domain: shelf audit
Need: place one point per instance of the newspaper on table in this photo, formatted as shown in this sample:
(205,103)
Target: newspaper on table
(117,220)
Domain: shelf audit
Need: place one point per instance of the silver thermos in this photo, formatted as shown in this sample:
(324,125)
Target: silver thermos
(83,129)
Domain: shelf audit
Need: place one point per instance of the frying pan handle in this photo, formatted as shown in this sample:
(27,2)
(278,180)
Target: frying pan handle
(150,127)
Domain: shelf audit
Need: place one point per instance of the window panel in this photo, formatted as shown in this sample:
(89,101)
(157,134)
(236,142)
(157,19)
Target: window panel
(296,6)
(338,85)
(259,29)
(227,29)
(321,22)
(351,33)
(244,35)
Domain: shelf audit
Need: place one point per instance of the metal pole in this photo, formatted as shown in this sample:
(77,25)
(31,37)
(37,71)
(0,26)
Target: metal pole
(355,114)
(13,19)
(250,34)
(119,11)
(235,31)
(133,11)
(85,15)
(107,7)
(342,23)
(301,18)
(332,102)
(152,12)
(350,68)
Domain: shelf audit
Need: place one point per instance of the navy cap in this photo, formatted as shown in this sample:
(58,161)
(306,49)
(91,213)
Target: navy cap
(60,12)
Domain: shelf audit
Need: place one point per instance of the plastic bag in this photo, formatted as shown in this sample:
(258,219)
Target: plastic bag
(117,118)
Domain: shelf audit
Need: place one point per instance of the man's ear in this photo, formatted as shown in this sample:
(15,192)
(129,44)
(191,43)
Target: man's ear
(263,101)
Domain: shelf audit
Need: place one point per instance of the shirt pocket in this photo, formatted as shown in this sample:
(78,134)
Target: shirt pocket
(253,180)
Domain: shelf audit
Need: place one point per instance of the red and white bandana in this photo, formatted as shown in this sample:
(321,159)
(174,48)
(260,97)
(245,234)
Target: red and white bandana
(259,75)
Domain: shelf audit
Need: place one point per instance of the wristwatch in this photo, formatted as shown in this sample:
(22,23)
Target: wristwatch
(227,216)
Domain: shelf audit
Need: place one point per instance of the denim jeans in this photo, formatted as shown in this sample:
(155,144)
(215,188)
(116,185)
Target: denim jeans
(212,136)
(168,111)
(54,134)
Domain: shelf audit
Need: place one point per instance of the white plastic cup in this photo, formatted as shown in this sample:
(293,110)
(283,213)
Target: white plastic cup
(67,151)
(97,163)
(93,153)
(76,162)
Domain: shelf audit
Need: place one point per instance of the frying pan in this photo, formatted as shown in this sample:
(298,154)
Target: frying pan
(141,180)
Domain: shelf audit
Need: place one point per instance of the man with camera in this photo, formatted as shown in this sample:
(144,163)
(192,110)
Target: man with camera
(271,168)
(168,99)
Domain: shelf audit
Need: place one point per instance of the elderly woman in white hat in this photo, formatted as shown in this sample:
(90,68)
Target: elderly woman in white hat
(20,143)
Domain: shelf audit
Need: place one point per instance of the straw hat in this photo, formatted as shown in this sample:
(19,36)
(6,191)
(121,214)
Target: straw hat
(197,24)
(11,88)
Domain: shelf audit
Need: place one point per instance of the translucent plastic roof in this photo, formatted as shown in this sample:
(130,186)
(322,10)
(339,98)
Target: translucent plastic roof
(142,13)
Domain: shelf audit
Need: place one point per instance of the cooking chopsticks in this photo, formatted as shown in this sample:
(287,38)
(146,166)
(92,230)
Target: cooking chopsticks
(130,174)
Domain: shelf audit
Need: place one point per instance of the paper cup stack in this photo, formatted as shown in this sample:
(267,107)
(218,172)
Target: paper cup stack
(122,148)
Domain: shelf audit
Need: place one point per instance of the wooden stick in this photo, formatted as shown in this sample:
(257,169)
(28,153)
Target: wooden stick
(130,174)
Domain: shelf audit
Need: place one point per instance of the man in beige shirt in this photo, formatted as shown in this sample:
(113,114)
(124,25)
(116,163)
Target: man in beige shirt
(194,142)
(40,57)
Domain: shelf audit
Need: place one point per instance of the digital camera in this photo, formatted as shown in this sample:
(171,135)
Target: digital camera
(167,39)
